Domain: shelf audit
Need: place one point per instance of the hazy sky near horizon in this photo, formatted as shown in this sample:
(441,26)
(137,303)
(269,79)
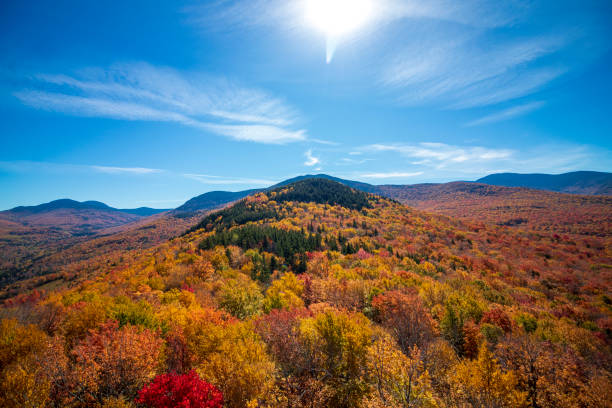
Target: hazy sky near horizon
(149,103)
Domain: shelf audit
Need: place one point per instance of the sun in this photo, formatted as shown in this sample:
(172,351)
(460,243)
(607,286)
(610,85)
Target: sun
(337,18)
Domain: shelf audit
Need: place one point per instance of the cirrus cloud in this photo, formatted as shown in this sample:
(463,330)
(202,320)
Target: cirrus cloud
(507,114)
(145,93)
(393,174)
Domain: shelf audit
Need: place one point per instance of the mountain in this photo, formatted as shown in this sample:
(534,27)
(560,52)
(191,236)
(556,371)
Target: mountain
(578,182)
(583,182)
(29,235)
(516,207)
(216,199)
(212,199)
(74,217)
(316,294)
(368,188)
(65,203)
(40,242)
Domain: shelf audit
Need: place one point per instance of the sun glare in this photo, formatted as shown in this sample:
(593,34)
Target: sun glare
(337,18)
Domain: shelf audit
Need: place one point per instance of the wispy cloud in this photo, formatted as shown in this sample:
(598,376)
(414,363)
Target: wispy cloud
(323,142)
(289,15)
(39,167)
(24,166)
(146,93)
(391,175)
(507,114)
(349,161)
(461,71)
(444,162)
(440,154)
(474,13)
(220,180)
(452,54)
(124,170)
(310,159)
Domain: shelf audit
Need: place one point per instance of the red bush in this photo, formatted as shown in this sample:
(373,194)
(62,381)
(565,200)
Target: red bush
(499,318)
(180,391)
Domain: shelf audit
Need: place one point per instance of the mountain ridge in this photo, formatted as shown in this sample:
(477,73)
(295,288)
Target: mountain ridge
(577,182)
(67,203)
(216,199)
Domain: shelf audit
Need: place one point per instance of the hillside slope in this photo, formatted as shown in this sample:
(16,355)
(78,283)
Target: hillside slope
(29,235)
(74,217)
(520,208)
(30,250)
(315,294)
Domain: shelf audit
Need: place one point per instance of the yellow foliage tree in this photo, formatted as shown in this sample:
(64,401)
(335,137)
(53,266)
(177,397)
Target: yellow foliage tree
(400,380)
(23,383)
(284,293)
(232,357)
(337,344)
(482,383)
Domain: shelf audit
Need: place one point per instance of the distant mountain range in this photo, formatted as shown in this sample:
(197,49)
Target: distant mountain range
(36,239)
(577,182)
(72,218)
(582,182)
(66,203)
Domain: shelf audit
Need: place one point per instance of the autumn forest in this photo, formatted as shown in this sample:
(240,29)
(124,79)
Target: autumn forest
(315,294)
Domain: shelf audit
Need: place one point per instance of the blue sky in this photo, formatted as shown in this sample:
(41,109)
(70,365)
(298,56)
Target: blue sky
(149,103)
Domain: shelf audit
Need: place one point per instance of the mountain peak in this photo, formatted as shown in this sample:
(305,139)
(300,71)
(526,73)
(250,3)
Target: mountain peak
(321,190)
(69,204)
(63,203)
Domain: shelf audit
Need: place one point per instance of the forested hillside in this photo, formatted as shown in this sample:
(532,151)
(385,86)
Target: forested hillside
(519,208)
(318,295)
(31,235)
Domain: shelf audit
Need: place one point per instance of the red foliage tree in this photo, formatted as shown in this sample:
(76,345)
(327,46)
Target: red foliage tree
(471,339)
(180,391)
(406,317)
(498,317)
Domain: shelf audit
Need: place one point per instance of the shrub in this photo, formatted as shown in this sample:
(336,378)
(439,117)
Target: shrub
(184,391)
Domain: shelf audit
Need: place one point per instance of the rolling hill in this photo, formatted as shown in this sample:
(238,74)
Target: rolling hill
(517,207)
(216,199)
(578,182)
(29,234)
(42,240)
(45,213)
